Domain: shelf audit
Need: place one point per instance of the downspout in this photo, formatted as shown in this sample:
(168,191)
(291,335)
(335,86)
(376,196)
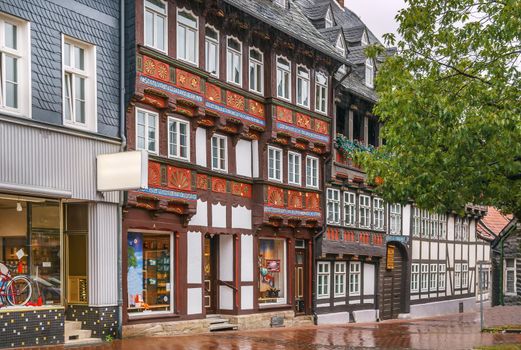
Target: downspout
(122,149)
(501,296)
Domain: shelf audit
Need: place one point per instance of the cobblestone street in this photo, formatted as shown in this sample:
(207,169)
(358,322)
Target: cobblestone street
(448,332)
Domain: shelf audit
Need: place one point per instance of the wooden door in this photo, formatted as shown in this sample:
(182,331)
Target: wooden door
(210,279)
(300,280)
(392,284)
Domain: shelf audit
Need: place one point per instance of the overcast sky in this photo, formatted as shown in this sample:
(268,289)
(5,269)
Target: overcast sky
(378,15)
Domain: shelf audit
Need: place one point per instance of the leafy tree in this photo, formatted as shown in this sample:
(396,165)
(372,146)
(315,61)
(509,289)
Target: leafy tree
(450,100)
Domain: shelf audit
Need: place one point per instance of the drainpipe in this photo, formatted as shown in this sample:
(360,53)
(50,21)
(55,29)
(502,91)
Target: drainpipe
(122,148)
(501,297)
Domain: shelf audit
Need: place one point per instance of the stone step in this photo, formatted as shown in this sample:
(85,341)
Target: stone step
(78,334)
(82,342)
(222,327)
(215,320)
(72,325)
(213,316)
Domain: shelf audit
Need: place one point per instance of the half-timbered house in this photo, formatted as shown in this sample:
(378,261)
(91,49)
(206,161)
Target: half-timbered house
(233,102)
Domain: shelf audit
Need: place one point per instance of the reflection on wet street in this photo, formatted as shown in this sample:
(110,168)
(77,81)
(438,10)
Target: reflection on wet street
(448,333)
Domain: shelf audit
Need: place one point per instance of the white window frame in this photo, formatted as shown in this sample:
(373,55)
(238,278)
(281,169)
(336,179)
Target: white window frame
(321,93)
(415,278)
(323,279)
(219,150)
(187,42)
(442,276)
(172,120)
(147,126)
(275,164)
(364,211)
(281,3)
(442,226)
(424,278)
(258,65)
(369,73)
(230,54)
(155,13)
(378,213)
(508,269)
(333,206)
(340,279)
(340,46)
(312,173)
(281,71)
(465,229)
(303,79)
(416,223)
(295,169)
(209,41)
(349,208)
(395,219)
(464,275)
(457,275)
(458,226)
(328,19)
(89,76)
(433,278)
(364,40)
(355,273)
(22,54)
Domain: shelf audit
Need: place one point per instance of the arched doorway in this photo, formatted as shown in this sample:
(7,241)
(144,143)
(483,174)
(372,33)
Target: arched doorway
(394,290)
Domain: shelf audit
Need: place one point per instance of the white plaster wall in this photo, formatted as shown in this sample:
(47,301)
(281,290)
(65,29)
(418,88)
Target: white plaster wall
(226,257)
(369,277)
(201,215)
(450,247)
(200,146)
(225,298)
(434,250)
(472,229)
(457,252)
(406,220)
(415,249)
(241,217)
(218,215)
(195,301)
(194,257)
(443,251)
(450,228)
(247,297)
(246,258)
(255,157)
(243,156)
(425,250)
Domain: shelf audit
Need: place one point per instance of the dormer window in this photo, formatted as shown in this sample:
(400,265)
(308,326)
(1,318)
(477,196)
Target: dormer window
(364,40)
(329,19)
(340,46)
(281,3)
(369,73)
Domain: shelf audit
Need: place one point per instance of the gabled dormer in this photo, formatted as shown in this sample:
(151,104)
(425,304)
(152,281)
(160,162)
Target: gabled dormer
(340,44)
(328,19)
(281,3)
(364,41)
(369,72)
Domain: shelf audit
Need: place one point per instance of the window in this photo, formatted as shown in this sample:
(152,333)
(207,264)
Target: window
(283,79)
(510,277)
(311,172)
(369,73)
(281,3)
(14,66)
(457,275)
(150,283)
(354,278)
(395,219)
(424,277)
(187,37)
(416,224)
(219,153)
(364,211)
(434,226)
(465,230)
(321,93)
(442,268)
(79,84)
(378,213)
(483,280)
(340,46)
(364,40)
(425,224)
(178,139)
(415,276)
(457,228)
(442,223)
(340,279)
(333,206)
(294,168)
(211,47)
(275,164)
(464,275)
(156,24)
(349,209)
(256,71)
(146,130)
(302,86)
(272,271)
(323,280)
(434,278)
(329,19)
(234,61)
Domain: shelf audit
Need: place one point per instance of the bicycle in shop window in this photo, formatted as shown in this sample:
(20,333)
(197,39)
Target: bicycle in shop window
(14,290)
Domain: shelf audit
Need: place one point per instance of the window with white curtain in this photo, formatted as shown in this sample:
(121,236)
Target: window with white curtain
(321,92)
(323,276)
(187,36)
(395,219)
(364,211)
(416,223)
(442,270)
(146,130)
(464,275)
(424,277)
(274,164)
(378,213)
(457,275)
(219,153)
(369,73)
(311,172)
(234,61)
(340,279)
(156,24)
(283,78)
(434,278)
(349,208)
(303,86)
(256,73)
(415,277)
(294,168)
(211,46)
(354,278)
(333,206)
(178,139)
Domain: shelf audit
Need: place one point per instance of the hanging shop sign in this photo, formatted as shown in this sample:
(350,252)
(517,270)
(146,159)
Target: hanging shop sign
(390,257)
(122,171)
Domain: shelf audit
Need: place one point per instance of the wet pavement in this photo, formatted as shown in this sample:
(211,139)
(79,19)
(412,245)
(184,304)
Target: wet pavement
(460,331)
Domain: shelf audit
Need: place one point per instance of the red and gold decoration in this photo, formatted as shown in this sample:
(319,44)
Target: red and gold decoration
(321,127)
(303,121)
(295,199)
(202,182)
(234,100)
(218,185)
(179,179)
(275,196)
(256,108)
(213,93)
(284,115)
(241,189)
(313,201)
(188,80)
(155,68)
(154,174)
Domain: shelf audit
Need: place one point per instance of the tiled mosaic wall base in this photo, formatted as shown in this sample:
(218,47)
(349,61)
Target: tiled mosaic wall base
(102,321)
(31,327)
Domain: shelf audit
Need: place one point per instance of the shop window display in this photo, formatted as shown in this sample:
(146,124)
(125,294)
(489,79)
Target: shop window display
(149,278)
(30,252)
(272,271)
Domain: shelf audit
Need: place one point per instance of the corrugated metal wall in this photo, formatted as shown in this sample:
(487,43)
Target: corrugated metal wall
(103,254)
(34,156)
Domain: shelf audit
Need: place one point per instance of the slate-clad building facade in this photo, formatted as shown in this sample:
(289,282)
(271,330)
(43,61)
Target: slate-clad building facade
(59,108)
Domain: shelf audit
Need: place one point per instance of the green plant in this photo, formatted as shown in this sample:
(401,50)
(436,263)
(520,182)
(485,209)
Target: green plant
(109,338)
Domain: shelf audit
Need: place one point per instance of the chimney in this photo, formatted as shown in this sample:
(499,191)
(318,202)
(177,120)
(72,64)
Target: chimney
(341,3)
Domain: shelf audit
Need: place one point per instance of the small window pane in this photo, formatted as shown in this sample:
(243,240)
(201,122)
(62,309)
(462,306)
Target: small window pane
(11,83)
(79,58)
(11,36)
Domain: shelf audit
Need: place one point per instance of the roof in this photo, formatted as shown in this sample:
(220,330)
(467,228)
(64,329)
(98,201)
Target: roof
(495,221)
(291,21)
(331,34)
(355,84)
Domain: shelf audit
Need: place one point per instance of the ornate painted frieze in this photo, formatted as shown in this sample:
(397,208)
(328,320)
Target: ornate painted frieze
(202,182)
(188,80)
(303,121)
(234,113)
(213,93)
(284,114)
(168,193)
(313,201)
(156,69)
(256,108)
(170,89)
(179,179)
(295,199)
(235,101)
(241,189)
(302,132)
(290,212)
(275,196)
(321,127)
(218,185)
(154,174)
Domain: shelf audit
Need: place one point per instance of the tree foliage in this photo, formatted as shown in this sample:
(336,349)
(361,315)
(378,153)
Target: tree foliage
(450,100)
